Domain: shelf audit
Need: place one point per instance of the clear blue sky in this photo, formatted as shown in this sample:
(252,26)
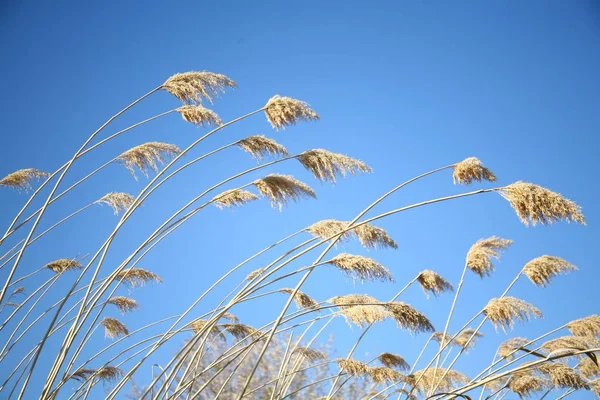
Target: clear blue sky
(404,86)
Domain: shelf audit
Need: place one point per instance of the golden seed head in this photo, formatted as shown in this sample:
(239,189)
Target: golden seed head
(62,265)
(384,375)
(192,87)
(471,169)
(233,198)
(595,387)
(241,331)
(124,304)
(537,205)
(82,374)
(526,385)
(373,237)
(497,384)
(280,189)
(567,344)
(408,318)
(311,355)
(588,368)
(562,376)
(327,228)
(504,311)
(260,146)
(467,338)
(508,348)
(588,326)
(109,374)
(137,277)
(147,156)
(255,274)
(284,111)
(425,380)
(113,328)
(433,283)
(326,166)
(301,299)
(393,361)
(199,116)
(214,331)
(22,178)
(480,255)
(359,267)
(231,318)
(406,393)
(360,309)
(117,201)
(442,339)
(541,270)
(353,367)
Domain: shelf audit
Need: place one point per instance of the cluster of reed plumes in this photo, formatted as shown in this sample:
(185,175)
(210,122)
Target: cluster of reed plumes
(50,350)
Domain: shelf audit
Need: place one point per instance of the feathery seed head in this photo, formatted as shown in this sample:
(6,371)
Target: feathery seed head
(62,265)
(241,331)
(384,375)
(393,361)
(280,189)
(353,367)
(570,343)
(467,338)
(109,374)
(588,326)
(562,376)
(441,338)
(284,111)
(137,277)
(361,267)
(301,299)
(430,378)
(260,146)
(255,274)
(113,328)
(408,318)
(124,304)
(17,291)
(117,201)
(526,385)
(233,198)
(231,318)
(480,255)
(147,156)
(192,87)
(22,178)
(327,228)
(360,309)
(595,387)
(537,205)
(432,282)
(311,355)
(326,166)
(504,311)
(373,237)
(508,348)
(199,116)
(199,325)
(471,169)
(82,374)
(588,368)
(542,269)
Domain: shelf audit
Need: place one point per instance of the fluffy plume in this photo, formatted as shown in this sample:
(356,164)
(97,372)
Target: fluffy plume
(109,374)
(541,270)
(480,255)
(241,331)
(260,146)
(137,277)
(22,178)
(284,111)
(302,300)
(408,318)
(384,375)
(113,328)
(214,332)
(504,311)
(430,378)
(233,198)
(280,189)
(497,384)
(117,201)
(393,361)
(588,326)
(353,367)
(373,237)
(570,343)
(467,338)
(199,116)
(433,283)
(361,267)
(191,87)
(147,156)
(254,274)
(537,205)
(442,339)
(231,318)
(509,347)
(405,392)
(361,309)
(588,368)
(471,169)
(311,355)
(82,374)
(62,265)
(124,304)
(326,166)
(327,228)
(526,385)
(562,376)
(595,387)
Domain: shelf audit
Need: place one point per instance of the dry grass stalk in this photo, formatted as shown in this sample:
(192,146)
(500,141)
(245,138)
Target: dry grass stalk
(588,368)
(22,178)
(301,299)
(191,87)
(526,385)
(241,331)
(408,318)
(137,277)
(280,189)
(109,374)
(124,304)
(353,367)
(433,283)
(442,339)
(426,380)
(562,376)
(233,198)
(467,338)
(361,309)
(384,375)
(63,265)
(537,205)
(147,156)
(260,146)
(326,166)
(393,361)
(255,274)
(471,169)
(199,116)
(588,326)
(480,255)
(117,201)
(361,267)
(507,348)
(570,343)
(311,355)
(373,237)
(113,328)
(82,374)
(504,311)
(541,270)
(284,111)
(214,332)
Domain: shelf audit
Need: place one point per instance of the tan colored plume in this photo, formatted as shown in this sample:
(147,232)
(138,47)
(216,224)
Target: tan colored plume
(124,304)
(408,318)
(480,255)
(384,375)
(526,385)
(393,361)
(471,169)
(570,343)
(562,376)
(504,311)
(433,283)
(361,309)
(280,189)
(260,146)
(147,156)
(442,338)
(284,111)
(241,331)
(426,380)
(311,355)
(82,374)
(359,267)
(137,277)
(255,274)
(199,116)
(62,265)
(117,201)
(541,270)
(373,237)
(588,326)
(113,328)
(301,299)
(109,374)
(193,86)
(327,228)
(326,166)
(588,368)
(22,178)
(508,348)
(214,331)
(467,338)
(233,198)
(353,367)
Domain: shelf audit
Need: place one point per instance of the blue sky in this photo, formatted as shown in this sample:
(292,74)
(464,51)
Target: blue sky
(404,86)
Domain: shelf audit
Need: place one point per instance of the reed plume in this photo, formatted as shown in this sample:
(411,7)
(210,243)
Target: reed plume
(63,265)
(231,318)
(117,201)
(504,311)
(241,331)
(137,277)
(113,328)
(329,227)
(260,146)
(541,270)
(82,374)
(214,331)
(124,304)
(193,86)
(233,198)
(254,274)
(199,116)
(372,237)
(406,393)
(562,376)
(353,367)
(280,189)
(393,361)
(588,368)
(595,387)
(360,309)
(508,348)
(469,170)
(361,267)
(147,156)
(22,178)
(569,343)
(480,255)
(467,338)
(408,318)
(302,300)
(426,380)
(497,384)
(526,385)
(384,375)
(442,338)
(588,326)
(311,355)
(537,205)
(326,166)
(433,283)
(109,374)
(284,111)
